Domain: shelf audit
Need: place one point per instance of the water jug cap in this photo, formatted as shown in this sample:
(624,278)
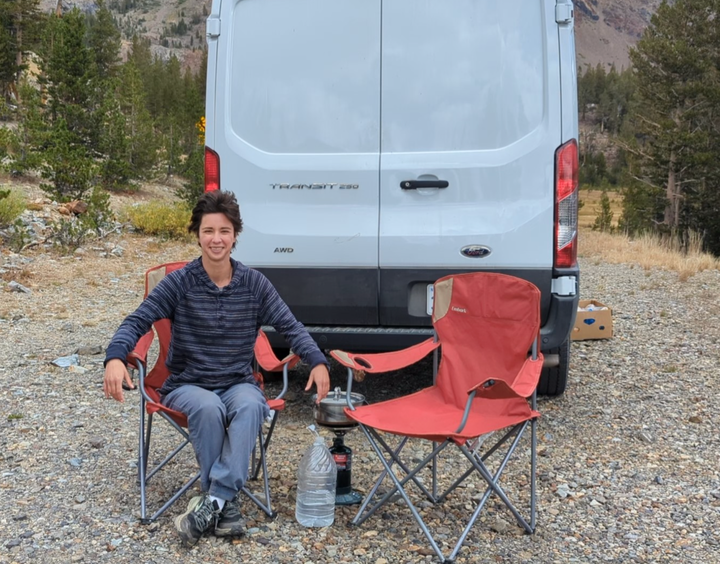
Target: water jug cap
(318,438)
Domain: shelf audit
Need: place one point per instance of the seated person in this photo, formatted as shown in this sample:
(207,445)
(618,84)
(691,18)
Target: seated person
(217,306)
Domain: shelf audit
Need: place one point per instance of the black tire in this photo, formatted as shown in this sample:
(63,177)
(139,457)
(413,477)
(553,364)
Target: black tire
(553,381)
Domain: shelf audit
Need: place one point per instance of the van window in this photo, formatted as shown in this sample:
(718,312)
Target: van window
(306,75)
(461,74)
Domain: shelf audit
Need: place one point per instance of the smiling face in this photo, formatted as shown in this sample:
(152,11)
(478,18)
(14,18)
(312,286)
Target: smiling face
(216,237)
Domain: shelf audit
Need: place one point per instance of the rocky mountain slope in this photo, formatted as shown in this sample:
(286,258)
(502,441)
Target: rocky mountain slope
(604,28)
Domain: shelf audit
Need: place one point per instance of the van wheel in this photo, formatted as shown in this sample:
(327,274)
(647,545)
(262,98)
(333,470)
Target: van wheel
(553,381)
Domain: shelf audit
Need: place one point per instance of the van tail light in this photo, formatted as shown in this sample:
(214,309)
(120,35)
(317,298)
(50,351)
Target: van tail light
(566,204)
(212,170)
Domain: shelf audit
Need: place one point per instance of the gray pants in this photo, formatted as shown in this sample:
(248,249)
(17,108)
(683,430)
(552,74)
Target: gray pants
(223,426)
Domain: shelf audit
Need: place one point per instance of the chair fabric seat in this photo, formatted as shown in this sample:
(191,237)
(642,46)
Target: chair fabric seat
(181,419)
(426,414)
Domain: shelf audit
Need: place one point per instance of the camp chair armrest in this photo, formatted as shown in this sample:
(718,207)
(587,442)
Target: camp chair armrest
(523,385)
(268,360)
(139,353)
(385,362)
(466,413)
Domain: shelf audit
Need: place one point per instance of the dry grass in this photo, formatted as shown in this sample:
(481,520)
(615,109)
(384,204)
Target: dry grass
(591,207)
(19,275)
(647,251)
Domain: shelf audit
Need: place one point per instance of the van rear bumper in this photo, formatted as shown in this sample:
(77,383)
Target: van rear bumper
(558,315)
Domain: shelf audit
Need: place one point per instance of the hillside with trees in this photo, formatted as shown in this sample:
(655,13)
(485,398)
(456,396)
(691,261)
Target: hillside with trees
(91,109)
(651,130)
(84,120)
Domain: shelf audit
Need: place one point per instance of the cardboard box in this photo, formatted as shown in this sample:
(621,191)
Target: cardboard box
(595,323)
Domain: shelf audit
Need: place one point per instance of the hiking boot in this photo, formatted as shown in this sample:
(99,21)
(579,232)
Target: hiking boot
(230,523)
(201,514)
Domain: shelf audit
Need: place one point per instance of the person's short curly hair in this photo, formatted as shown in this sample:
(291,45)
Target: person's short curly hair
(216,201)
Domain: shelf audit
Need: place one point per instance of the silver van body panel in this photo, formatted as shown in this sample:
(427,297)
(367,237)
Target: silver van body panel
(376,145)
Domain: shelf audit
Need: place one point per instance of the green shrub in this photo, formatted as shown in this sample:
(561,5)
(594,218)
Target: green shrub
(17,236)
(12,204)
(164,220)
(68,234)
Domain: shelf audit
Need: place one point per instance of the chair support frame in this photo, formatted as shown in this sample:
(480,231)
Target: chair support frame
(389,456)
(258,460)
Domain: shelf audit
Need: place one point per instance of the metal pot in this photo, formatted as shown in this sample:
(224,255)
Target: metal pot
(330,412)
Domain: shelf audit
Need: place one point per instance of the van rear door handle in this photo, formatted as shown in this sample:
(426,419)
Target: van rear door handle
(415,184)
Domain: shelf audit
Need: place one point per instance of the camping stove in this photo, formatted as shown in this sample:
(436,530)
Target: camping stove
(344,494)
(330,414)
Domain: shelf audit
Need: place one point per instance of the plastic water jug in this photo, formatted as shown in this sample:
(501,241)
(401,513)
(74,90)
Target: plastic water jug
(317,478)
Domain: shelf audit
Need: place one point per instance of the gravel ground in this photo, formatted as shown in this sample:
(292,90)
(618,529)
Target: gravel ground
(628,465)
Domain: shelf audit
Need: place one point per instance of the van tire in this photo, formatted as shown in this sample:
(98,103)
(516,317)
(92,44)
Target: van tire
(553,381)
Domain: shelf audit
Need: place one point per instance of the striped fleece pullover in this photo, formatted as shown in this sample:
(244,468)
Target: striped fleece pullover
(213,329)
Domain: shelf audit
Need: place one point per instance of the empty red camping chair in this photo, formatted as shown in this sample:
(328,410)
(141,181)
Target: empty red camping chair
(149,384)
(487,328)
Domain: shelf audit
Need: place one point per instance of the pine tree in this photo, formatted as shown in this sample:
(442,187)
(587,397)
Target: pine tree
(104,41)
(32,132)
(142,143)
(603,219)
(115,166)
(68,166)
(676,63)
(69,73)
(20,24)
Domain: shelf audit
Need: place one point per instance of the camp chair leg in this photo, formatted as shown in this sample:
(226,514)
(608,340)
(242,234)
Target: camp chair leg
(266,442)
(148,434)
(143,458)
(484,457)
(264,505)
(492,480)
(368,498)
(142,461)
(175,497)
(363,513)
(410,474)
(533,472)
(401,491)
(493,487)
(434,475)
(169,457)
(371,493)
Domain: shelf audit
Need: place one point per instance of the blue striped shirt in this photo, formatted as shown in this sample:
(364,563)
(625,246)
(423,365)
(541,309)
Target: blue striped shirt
(213,329)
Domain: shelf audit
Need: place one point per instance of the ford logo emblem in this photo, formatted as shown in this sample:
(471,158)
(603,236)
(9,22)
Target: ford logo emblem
(475,251)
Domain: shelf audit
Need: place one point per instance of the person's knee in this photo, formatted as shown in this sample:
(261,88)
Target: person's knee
(208,411)
(249,407)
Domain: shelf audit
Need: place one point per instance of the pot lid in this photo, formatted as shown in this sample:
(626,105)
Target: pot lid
(337,397)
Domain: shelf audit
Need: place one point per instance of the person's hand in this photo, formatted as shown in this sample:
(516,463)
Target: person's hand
(115,373)
(321,378)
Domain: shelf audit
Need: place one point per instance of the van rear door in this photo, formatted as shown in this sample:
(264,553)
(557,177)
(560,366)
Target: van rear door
(470,124)
(298,128)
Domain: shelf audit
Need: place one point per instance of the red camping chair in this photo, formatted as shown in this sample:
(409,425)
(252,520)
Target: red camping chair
(485,325)
(150,383)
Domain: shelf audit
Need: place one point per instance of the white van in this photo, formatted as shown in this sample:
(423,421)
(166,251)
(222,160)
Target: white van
(377,145)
